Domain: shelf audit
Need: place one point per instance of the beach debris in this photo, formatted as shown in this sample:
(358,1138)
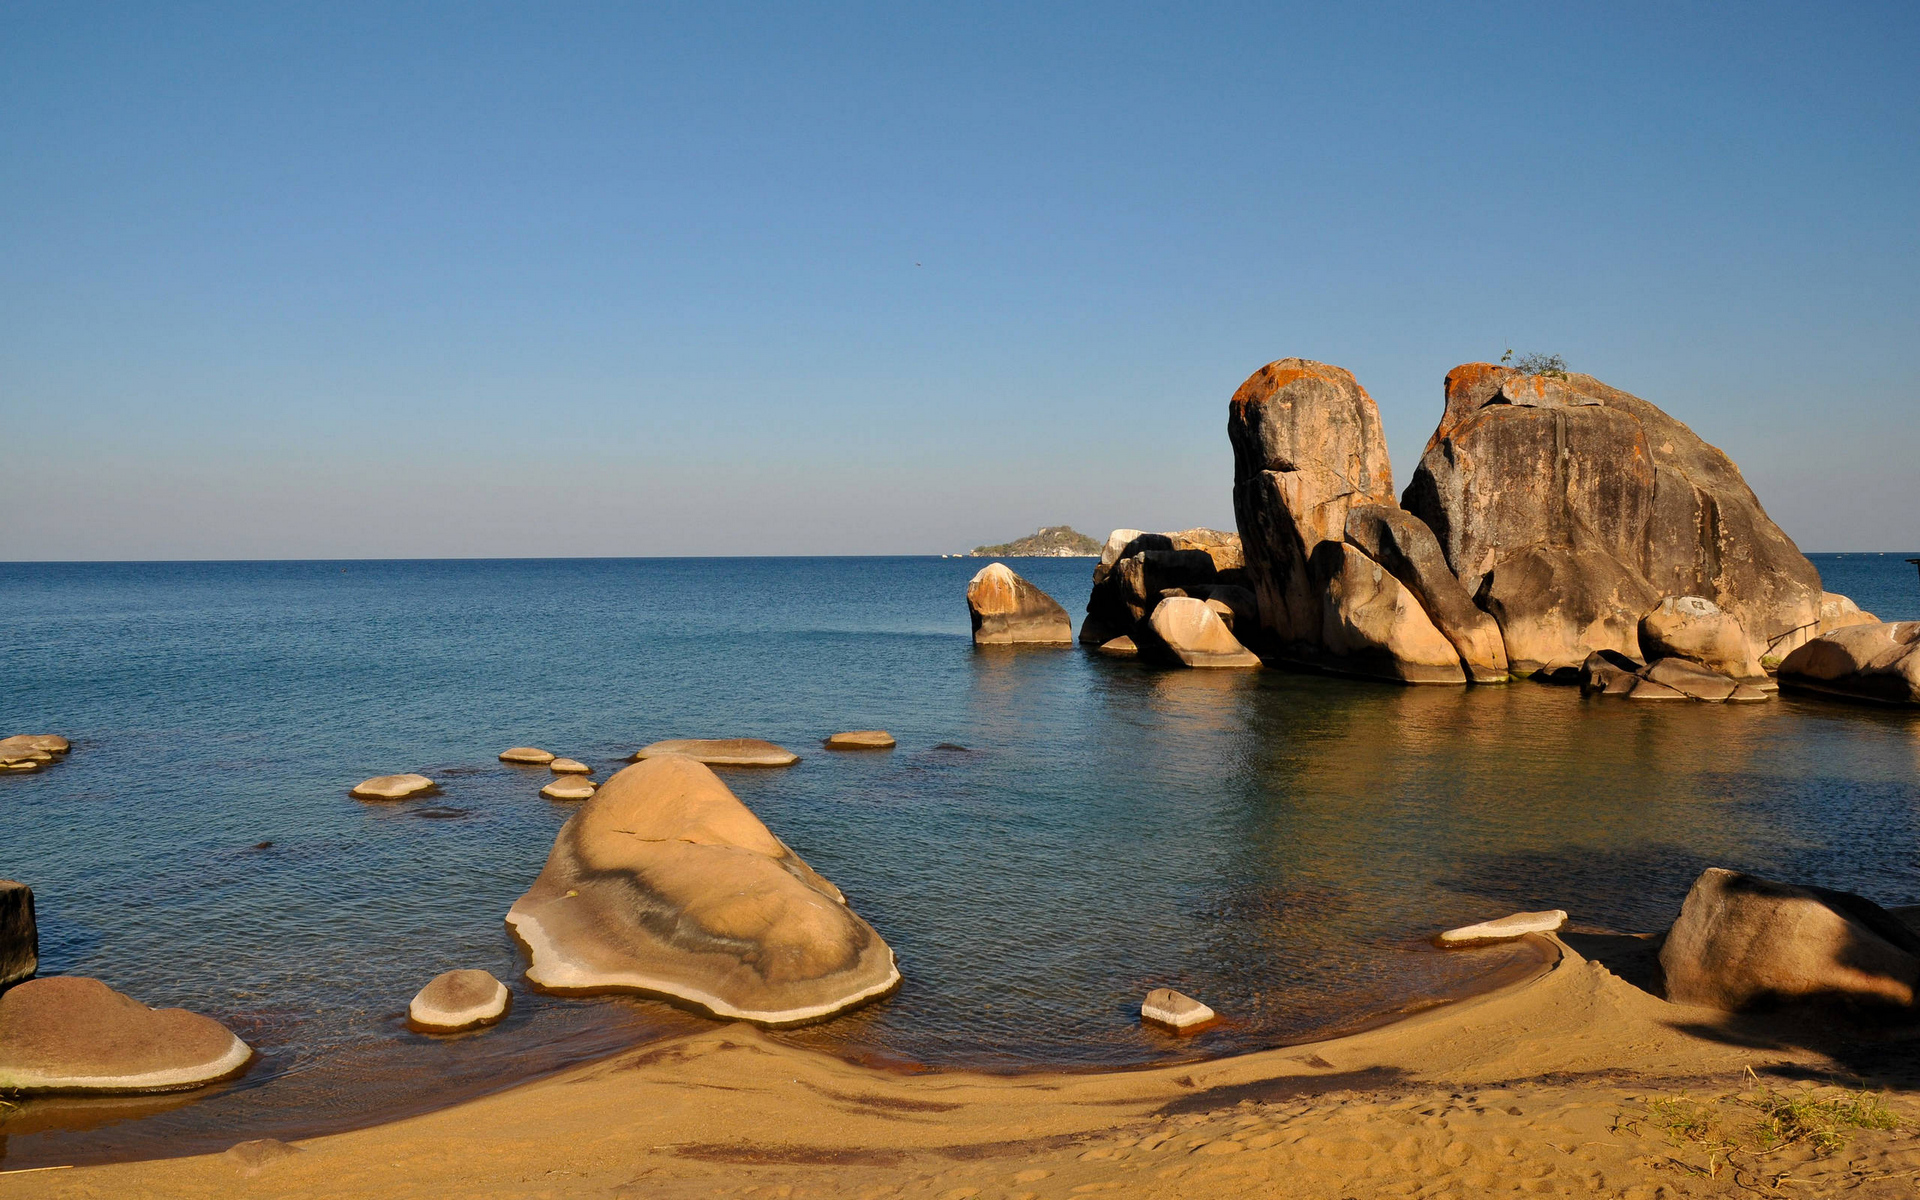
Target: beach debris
(1504,929)
(861,739)
(665,883)
(722,752)
(1176,1011)
(19,933)
(392,787)
(68,1033)
(25,753)
(1743,942)
(458,1000)
(1878,662)
(254,1156)
(569,766)
(527,755)
(569,787)
(1006,610)
(1195,636)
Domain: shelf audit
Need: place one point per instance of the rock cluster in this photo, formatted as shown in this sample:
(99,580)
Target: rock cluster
(19,933)
(1611,673)
(665,883)
(25,753)
(67,1033)
(1006,610)
(1878,661)
(1177,597)
(458,1000)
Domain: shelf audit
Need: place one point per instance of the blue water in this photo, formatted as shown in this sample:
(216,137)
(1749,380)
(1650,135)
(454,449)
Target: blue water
(1279,845)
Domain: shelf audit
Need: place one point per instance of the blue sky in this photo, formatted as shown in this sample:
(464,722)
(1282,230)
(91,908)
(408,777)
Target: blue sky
(473,279)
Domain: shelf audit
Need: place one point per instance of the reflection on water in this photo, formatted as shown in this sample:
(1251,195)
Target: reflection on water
(1278,845)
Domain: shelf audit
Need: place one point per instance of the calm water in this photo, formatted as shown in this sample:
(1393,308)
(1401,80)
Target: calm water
(1277,845)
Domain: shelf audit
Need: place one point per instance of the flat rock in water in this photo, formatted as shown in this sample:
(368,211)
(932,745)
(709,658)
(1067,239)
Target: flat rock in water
(50,744)
(392,787)
(664,883)
(1120,647)
(1504,929)
(1648,689)
(861,739)
(530,755)
(19,934)
(1175,1010)
(569,766)
(458,1000)
(569,787)
(722,752)
(70,1033)
(1690,678)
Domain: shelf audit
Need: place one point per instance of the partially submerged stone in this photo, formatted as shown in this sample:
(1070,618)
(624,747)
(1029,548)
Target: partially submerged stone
(1746,943)
(569,787)
(68,1033)
(459,1000)
(1608,672)
(861,739)
(569,766)
(528,755)
(1690,679)
(1120,647)
(19,933)
(50,744)
(1176,1011)
(664,883)
(1697,630)
(1878,662)
(1006,610)
(1195,636)
(722,752)
(1504,929)
(392,787)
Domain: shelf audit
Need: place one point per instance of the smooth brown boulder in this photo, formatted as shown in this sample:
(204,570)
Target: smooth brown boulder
(19,933)
(1307,448)
(1558,604)
(1698,630)
(1690,679)
(531,756)
(1120,647)
(570,787)
(1375,626)
(392,787)
(1746,943)
(1195,636)
(1878,662)
(454,1001)
(1006,610)
(68,1033)
(569,766)
(722,752)
(665,883)
(861,739)
(1402,543)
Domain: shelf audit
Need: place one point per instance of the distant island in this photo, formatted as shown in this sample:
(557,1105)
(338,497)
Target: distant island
(1055,541)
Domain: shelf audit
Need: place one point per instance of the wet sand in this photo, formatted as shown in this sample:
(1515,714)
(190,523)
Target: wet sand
(1542,1086)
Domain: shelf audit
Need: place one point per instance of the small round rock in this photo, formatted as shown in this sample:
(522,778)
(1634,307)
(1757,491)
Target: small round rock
(392,787)
(861,739)
(458,1000)
(569,766)
(569,787)
(531,755)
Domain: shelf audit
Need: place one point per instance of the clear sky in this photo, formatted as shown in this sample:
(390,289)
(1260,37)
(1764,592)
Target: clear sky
(485,279)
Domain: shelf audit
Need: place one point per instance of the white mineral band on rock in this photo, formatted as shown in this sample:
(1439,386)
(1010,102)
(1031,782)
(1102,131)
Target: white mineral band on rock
(238,1055)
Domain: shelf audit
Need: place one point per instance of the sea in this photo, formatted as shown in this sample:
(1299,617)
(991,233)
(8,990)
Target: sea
(1055,834)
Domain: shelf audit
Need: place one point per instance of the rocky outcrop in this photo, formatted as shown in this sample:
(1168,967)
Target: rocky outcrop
(665,883)
(392,787)
(458,1000)
(1193,634)
(1008,611)
(1745,943)
(19,933)
(1696,629)
(25,753)
(722,752)
(1137,570)
(861,739)
(1402,544)
(1878,662)
(67,1033)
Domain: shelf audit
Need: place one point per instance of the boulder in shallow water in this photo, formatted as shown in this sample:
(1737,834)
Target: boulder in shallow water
(1006,610)
(664,883)
(1196,636)
(1878,662)
(1690,679)
(569,766)
(861,739)
(1698,630)
(1402,544)
(569,787)
(1558,604)
(1746,943)
(68,1033)
(531,756)
(19,934)
(1608,672)
(50,744)
(1120,647)
(392,787)
(722,752)
(1504,929)
(457,1000)
(1374,626)
(1176,1011)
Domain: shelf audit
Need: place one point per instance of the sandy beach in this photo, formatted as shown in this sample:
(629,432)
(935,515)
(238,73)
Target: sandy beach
(1573,1081)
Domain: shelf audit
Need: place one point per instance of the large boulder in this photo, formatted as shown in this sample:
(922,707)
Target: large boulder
(19,934)
(665,883)
(1007,610)
(67,1033)
(1698,630)
(1401,542)
(1307,448)
(1193,634)
(1746,943)
(1558,604)
(1879,662)
(1373,625)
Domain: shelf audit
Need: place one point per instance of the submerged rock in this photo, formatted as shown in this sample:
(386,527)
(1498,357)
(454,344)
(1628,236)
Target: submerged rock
(861,739)
(19,933)
(1007,610)
(569,787)
(1746,943)
(1195,635)
(392,787)
(255,1156)
(665,883)
(69,1033)
(1176,1011)
(1504,929)
(528,755)
(1878,662)
(722,752)
(458,1000)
